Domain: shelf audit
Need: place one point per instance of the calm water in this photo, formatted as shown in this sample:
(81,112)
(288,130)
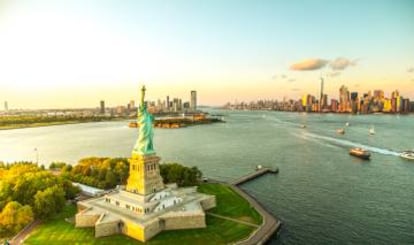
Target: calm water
(321,194)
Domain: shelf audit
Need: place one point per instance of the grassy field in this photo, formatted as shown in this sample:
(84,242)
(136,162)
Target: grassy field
(218,231)
(230,204)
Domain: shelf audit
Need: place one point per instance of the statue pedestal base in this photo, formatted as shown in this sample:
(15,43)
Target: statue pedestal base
(144,174)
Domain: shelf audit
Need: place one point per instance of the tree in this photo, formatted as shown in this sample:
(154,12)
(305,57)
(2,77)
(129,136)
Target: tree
(183,176)
(49,202)
(110,179)
(14,217)
(70,190)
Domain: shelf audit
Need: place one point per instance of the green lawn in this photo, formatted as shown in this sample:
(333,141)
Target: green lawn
(218,231)
(230,204)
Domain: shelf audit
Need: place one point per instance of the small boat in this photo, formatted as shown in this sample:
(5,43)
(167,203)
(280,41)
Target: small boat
(133,124)
(361,153)
(340,131)
(409,155)
(347,124)
(372,131)
(303,126)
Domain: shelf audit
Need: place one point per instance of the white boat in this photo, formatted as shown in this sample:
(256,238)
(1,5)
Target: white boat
(303,126)
(372,131)
(340,131)
(409,155)
(347,124)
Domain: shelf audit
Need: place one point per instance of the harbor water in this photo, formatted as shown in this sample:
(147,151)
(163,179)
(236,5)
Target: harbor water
(321,194)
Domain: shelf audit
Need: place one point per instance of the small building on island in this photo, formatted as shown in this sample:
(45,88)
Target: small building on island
(146,206)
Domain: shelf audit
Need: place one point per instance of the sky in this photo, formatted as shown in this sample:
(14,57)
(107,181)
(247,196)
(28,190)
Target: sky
(68,54)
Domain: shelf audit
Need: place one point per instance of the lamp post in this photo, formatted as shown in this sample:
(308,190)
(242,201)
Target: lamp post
(37,156)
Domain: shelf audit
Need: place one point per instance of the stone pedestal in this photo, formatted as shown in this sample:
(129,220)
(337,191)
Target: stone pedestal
(144,174)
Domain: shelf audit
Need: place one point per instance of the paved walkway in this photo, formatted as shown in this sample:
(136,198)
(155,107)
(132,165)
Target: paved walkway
(234,220)
(269,226)
(21,236)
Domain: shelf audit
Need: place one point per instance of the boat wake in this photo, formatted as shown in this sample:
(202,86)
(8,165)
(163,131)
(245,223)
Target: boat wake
(342,142)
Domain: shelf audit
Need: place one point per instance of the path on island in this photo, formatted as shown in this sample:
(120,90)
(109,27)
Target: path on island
(21,236)
(234,220)
(269,226)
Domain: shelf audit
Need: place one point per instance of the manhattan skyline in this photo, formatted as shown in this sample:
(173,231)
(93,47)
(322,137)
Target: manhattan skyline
(73,54)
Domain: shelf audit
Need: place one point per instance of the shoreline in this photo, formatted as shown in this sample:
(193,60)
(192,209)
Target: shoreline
(38,125)
(270,225)
(318,112)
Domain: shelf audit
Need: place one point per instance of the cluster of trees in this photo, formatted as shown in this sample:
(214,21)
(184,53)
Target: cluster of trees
(28,192)
(101,172)
(106,173)
(183,176)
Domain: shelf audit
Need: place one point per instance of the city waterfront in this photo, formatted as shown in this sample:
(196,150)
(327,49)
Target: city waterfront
(322,195)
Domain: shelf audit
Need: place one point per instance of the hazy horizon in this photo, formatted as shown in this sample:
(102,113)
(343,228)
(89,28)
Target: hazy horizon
(72,54)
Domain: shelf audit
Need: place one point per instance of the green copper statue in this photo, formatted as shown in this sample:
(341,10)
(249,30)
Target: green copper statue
(144,144)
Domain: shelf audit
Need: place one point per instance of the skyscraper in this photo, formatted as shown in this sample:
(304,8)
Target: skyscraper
(354,102)
(102,109)
(321,96)
(167,106)
(193,103)
(6,106)
(132,104)
(344,105)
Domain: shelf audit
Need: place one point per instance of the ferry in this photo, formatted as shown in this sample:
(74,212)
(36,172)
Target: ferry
(361,153)
(372,131)
(409,155)
(133,124)
(340,131)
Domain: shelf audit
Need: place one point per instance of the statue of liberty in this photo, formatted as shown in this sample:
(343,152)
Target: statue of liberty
(144,144)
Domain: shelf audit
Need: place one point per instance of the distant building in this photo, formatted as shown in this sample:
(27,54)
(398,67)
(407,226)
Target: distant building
(102,108)
(193,101)
(344,103)
(405,106)
(354,102)
(304,100)
(324,102)
(132,104)
(167,106)
(412,106)
(6,106)
(120,110)
(321,99)
(186,106)
(334,105)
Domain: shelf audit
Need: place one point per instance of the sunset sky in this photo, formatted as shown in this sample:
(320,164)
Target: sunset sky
(57,54)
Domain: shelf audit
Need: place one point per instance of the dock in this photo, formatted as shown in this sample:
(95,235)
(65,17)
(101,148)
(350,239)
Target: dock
(270,224)
(257,173)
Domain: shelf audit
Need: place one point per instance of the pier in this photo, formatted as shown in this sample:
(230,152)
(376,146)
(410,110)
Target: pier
(270,224)
(257,173)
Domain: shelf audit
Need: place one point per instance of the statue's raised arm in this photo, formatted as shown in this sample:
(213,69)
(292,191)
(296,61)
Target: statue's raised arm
(143,96)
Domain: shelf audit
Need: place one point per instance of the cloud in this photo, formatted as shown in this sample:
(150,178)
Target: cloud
(296,89)
(274,77)
(291,80)
(333,74)
(309,65)
(283,76)
(411,69)
(341,63)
